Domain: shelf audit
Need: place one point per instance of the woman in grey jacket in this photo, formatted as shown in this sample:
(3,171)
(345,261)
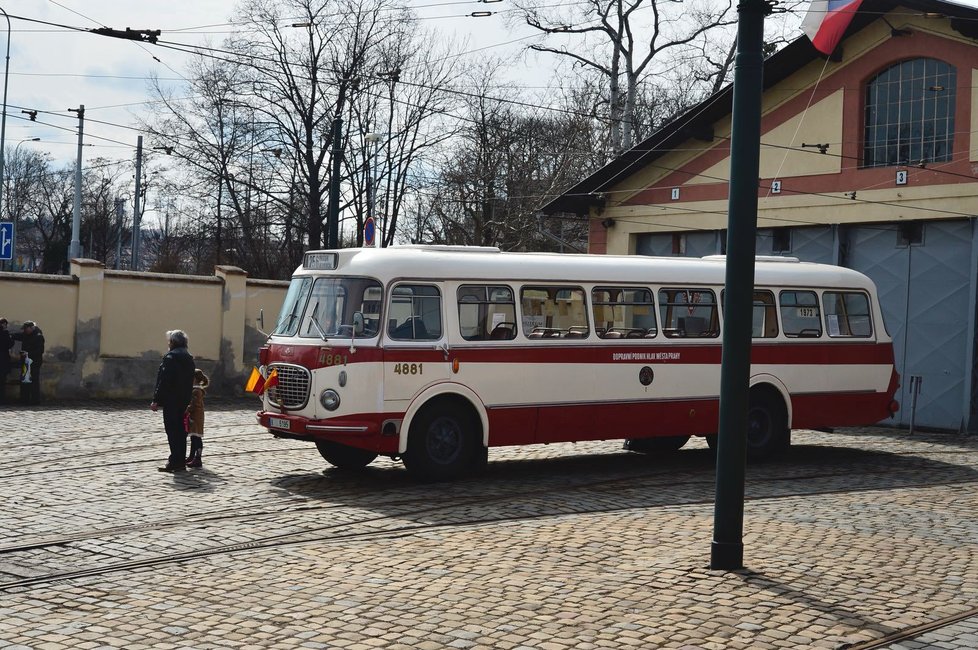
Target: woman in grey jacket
(174,386)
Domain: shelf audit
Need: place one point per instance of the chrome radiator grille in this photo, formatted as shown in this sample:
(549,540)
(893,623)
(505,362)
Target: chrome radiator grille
(292,390)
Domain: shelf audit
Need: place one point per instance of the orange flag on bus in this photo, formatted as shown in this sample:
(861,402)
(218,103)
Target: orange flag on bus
(256,383)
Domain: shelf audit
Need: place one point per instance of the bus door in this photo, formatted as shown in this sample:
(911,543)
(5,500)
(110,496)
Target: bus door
(415,345)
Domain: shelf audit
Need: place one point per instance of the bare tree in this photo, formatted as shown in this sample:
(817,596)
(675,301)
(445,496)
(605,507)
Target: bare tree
(403,107)
(100,229)
(25,171)
(625,41)
(504,163)
(48,225)
(255,136)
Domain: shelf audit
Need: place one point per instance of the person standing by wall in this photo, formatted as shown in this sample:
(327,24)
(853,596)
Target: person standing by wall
(31,344)
(6,342)
(174,386)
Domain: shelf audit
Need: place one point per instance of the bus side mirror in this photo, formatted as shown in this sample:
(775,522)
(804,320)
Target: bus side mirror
(357,323)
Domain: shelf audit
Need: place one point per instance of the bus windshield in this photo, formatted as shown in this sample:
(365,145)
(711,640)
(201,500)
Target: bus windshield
(295,300)
(332,303)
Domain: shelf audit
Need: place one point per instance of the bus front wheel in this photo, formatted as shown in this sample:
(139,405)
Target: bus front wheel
(442,443)
(344,456)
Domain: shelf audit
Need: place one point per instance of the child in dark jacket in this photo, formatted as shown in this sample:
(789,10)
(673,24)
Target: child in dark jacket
(195,411)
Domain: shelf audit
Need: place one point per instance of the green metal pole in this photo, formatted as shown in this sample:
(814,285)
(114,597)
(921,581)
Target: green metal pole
(727,551)
(333,221)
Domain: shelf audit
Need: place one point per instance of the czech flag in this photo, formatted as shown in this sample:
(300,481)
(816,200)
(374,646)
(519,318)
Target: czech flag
(826,22)
(258,384)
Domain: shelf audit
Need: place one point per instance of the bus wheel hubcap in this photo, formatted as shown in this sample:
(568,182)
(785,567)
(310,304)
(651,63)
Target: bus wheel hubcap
(444,440)
(758,427)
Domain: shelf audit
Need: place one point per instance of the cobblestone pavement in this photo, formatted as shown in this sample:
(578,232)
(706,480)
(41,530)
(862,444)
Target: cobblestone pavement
(850,540)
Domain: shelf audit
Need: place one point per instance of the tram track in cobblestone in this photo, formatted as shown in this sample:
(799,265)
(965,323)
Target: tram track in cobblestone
(20,465)
(122,463)
(102,436)
(315,534)
(909,633)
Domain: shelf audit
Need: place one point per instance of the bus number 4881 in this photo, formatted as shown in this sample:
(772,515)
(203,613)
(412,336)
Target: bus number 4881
(408,369)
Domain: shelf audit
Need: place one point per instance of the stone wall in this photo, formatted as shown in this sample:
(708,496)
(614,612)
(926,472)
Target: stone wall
(105,330)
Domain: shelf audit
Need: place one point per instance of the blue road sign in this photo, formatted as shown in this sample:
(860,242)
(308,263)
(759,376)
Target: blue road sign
(369,231)
(6,240)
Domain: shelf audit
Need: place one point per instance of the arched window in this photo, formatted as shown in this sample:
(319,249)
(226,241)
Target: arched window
(910,114)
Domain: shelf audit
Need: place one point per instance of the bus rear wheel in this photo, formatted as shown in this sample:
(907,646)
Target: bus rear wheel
(344,456)
(442,443)
(657,445)
(767,426)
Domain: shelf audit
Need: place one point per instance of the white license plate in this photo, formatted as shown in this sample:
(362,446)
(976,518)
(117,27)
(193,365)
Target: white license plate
(278,423)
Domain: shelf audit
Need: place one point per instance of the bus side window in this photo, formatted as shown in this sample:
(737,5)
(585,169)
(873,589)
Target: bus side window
(764,315)
(847,314)
(689,313)
(415,313)
(623,312)
(800,314)
(554,312)
(486,313)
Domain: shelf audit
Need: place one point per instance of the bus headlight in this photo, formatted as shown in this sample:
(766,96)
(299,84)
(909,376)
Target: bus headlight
(330,399)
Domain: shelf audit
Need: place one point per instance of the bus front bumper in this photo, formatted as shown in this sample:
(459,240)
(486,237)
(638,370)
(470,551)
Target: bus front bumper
(296,424)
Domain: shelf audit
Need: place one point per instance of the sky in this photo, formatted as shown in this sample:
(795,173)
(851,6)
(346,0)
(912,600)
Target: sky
(53,69)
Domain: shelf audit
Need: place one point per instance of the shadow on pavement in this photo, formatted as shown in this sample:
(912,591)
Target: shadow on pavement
(518,488)
(944,438)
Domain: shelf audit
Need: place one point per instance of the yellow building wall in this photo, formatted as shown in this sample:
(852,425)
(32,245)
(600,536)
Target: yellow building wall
(780,156)
(105,331)
(51,303)
(264,300)
(139,308)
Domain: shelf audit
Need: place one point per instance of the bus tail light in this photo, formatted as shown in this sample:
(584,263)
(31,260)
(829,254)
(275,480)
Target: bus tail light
(894,406)
(263,355)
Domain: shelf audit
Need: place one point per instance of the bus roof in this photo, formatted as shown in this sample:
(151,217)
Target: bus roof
(490,264)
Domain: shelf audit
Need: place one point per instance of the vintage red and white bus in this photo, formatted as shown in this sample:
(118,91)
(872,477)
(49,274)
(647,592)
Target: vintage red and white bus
(433,354)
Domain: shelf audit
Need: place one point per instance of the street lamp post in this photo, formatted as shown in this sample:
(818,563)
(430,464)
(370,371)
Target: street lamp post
(374,139)
(3,117)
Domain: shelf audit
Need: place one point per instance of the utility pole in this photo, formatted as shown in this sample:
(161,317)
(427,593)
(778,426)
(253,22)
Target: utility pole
(727,550)
(135,209)
(74,249)
(333,225)
(118,240)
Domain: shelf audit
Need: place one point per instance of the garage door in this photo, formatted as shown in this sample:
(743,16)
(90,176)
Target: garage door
(924,290)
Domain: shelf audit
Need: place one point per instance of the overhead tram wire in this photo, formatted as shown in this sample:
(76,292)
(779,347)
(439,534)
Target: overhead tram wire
(72,130)
(702,176)
(664,168)
(180,47)
(193,50)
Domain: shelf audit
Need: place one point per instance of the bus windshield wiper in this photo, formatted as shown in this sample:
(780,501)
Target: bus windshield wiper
(319,328)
